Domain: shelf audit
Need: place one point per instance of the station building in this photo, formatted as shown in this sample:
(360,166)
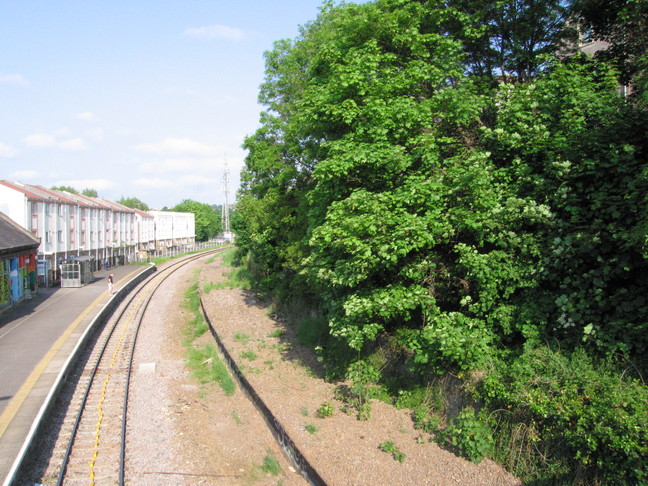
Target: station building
(73,225)
(18,250)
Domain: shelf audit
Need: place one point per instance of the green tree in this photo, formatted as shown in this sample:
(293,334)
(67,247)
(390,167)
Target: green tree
(90,192)
(624,25)
(69,189)
(134,203)
(208,223)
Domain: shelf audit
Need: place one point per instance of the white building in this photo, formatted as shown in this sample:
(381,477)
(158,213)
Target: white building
(173,229)
(74,225)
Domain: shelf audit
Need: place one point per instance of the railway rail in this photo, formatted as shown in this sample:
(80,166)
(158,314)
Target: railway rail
(92,428)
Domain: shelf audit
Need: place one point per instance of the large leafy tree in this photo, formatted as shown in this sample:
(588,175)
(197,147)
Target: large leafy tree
(69,189)
(624,25)
(417,200)
(134,203)
(208,223)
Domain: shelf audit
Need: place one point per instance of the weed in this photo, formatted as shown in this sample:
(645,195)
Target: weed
(249,355)
(325,410)
(208,287)
(277,333)
(310,428)
(241,337)
(303,411)
(208,367)
(470,434)
(237,418)
(390,448)
(363,378)
(270,464)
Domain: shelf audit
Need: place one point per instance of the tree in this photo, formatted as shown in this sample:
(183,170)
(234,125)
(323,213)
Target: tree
(511,40)
(624,25)
(134,203)
(208,223)
(90,192)
(69,189)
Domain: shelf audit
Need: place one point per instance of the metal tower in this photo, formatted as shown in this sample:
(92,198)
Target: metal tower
(225,214)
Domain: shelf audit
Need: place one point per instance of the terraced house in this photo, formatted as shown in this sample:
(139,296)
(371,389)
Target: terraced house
(73,225)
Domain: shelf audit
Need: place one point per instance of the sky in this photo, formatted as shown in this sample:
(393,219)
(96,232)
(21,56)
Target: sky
(136,98)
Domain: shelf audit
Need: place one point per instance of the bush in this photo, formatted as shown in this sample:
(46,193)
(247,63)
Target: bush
(595,418)
(470,435)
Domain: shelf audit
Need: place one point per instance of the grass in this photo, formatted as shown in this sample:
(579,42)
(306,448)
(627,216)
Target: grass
(270,464)
(276,333)
(310,428)
(249,355)
(241,337)
(204,362)
(207,367)
(197,326)
(237,418)
(208,287)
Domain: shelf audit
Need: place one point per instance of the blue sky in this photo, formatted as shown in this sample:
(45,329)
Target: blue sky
(135,98)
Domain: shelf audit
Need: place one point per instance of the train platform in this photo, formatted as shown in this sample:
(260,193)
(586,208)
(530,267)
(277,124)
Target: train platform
(36,337)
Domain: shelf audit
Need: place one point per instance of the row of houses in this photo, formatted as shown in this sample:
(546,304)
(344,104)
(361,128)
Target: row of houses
(73,226)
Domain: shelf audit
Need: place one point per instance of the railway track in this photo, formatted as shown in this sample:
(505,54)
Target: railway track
(91,447)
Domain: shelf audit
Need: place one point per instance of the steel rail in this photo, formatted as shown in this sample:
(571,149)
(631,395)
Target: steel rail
(157,279)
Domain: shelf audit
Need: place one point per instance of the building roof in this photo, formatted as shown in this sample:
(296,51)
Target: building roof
(14,238)
(143,214)
(29,191)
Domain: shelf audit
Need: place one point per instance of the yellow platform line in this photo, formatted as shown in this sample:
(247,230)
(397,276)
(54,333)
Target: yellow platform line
(21,395)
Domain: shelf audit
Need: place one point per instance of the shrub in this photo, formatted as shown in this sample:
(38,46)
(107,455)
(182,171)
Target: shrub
(470,435)
(595,417)
(325,410)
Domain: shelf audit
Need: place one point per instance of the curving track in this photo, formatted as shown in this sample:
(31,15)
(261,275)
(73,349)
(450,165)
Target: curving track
(91,445)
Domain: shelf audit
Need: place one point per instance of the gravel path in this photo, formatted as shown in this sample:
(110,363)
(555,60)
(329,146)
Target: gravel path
(181,432)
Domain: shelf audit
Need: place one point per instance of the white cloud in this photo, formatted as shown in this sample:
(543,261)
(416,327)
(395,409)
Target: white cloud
(200,180)
(6,151)
(174,146)
(24,175)
(13,79)
(72,144)
(155,183)
(46,140)
(97,184)
(215,32)
(40,140)
(182,165)
(86,116)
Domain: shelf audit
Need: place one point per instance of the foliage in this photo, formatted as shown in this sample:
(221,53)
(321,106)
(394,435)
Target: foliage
(363,378)
(133,203)
(595,416)
(270,464)
(90,192)
(208,223)
(624,25)
(325,410)
(427,173)
(208,367)
(390,448)
(69,189)
(470,434)
(197,326)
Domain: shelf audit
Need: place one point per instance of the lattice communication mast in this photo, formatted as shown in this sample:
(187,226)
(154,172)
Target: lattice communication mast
(225,214)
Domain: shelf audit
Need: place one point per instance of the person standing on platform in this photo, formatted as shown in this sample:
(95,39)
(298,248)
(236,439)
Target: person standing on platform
(110,283)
